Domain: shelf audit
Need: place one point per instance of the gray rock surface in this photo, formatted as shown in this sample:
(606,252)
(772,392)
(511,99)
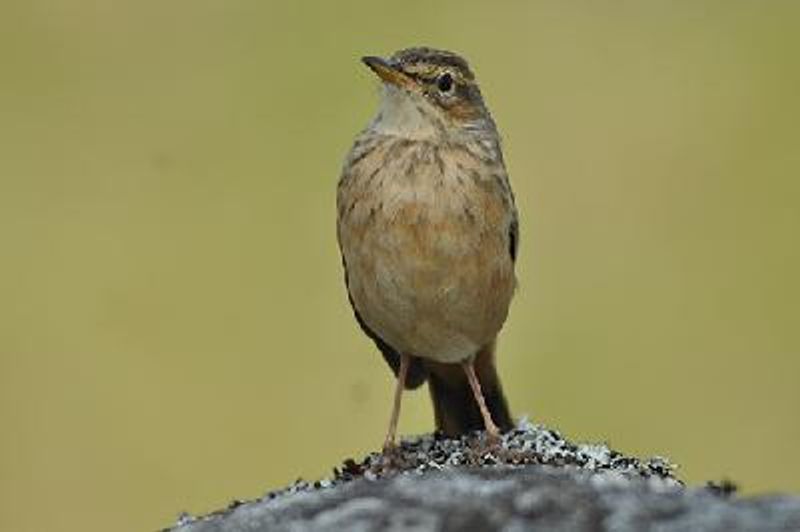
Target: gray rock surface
(533,480)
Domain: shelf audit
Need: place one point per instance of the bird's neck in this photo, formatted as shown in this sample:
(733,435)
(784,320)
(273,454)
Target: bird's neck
(410,117)
(407,116)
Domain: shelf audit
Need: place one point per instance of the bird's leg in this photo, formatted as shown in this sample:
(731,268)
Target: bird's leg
(492,431)
(389,444)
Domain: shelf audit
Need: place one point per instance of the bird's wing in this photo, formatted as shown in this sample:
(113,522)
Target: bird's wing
(513,237)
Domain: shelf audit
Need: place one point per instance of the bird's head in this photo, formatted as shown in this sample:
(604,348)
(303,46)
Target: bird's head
(428,93)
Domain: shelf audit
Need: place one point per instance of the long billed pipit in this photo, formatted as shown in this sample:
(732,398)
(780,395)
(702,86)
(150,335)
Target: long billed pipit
(428,232)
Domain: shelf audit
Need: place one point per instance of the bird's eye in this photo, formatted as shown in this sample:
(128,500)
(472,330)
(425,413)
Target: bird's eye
(445,82)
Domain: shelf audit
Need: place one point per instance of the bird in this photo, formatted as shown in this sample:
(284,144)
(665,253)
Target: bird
(428,231)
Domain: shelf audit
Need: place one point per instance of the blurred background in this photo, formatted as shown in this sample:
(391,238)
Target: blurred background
(174,330)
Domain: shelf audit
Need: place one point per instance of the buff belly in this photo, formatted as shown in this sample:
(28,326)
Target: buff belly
(432,281)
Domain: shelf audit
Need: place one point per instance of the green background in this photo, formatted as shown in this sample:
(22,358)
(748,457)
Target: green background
(174,331)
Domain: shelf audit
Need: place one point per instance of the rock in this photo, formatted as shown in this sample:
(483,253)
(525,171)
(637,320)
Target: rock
(532,479)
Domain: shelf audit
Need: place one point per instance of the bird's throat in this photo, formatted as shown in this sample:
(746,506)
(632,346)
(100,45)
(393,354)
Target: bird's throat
(406,115)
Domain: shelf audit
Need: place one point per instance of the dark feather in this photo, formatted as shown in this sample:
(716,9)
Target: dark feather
(513,238)
(454,405)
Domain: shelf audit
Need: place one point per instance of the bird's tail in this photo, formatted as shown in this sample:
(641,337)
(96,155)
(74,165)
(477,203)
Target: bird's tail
(454,405)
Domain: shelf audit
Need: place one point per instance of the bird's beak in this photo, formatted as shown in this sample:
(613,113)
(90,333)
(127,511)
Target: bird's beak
(387,72)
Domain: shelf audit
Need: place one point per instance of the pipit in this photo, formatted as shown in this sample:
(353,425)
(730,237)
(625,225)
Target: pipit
(428,232)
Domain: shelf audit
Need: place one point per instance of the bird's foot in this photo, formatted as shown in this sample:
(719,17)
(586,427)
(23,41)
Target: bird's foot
(488,445)
(390,448)
(392,456)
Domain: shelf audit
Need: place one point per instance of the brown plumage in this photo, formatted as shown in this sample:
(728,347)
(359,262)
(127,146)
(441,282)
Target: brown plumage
(428,232)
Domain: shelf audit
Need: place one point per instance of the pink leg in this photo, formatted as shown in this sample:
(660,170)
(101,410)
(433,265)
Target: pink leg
(389,444)
(491,429)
